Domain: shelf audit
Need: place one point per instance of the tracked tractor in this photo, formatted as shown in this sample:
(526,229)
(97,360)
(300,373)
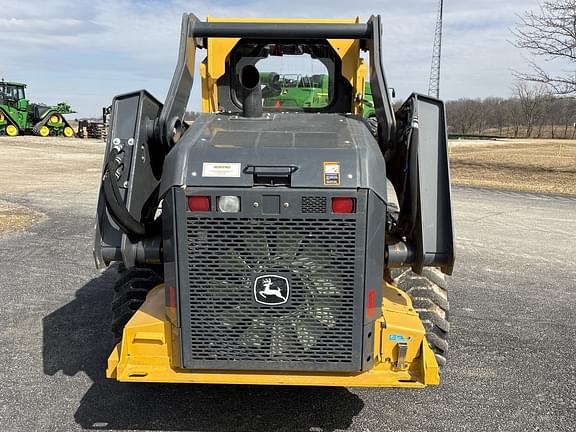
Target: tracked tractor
(264,244)
(18,116)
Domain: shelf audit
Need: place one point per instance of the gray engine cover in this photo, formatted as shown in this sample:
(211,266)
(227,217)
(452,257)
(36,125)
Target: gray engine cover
(299,140)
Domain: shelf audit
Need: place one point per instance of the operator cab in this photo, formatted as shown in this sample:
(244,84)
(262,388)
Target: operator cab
(11,92)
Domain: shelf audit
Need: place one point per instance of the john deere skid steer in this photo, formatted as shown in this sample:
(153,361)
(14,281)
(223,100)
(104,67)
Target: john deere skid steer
(265,244)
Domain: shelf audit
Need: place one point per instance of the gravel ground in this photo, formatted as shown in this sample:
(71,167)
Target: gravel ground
(511,363)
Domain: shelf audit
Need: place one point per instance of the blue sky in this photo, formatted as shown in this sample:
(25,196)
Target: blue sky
(91,50)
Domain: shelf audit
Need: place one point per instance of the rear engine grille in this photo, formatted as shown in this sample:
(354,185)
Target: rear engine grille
(313,204)
(315,328)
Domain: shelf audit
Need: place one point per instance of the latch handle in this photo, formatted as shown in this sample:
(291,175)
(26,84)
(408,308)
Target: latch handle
(270,171)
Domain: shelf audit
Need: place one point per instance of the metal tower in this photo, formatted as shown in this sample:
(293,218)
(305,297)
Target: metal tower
(434,86)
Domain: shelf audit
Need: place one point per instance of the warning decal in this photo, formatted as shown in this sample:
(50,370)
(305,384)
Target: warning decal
(220,169)
(331,173)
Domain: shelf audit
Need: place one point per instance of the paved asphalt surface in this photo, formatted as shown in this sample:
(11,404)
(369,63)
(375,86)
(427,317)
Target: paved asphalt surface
(512,362)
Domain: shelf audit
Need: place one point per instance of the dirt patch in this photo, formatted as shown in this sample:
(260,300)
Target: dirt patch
(31,164)
(52,169)
(52,172)
(523,165)
(14,217)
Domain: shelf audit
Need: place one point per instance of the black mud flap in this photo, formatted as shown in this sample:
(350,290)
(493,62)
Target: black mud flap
(419,170)
(132,121)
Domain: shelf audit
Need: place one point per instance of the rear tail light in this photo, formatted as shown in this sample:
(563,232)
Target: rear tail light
(199,203)
(343,205)
(371,304)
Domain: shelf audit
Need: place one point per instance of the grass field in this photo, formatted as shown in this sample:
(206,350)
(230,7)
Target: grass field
(532,165)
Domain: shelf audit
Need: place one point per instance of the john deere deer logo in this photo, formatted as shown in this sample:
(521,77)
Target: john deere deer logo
(271,289)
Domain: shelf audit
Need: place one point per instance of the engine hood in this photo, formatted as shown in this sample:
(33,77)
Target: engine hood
(320,150)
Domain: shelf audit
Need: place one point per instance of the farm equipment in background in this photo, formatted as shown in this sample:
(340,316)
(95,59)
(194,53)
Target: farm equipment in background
(20,117)
(259,245)
(95,129)
(294,91)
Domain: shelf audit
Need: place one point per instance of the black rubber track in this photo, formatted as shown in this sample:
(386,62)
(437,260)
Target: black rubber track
(429,294)
(130,292)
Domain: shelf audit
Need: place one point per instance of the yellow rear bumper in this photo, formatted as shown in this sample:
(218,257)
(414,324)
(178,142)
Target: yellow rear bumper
(145,353)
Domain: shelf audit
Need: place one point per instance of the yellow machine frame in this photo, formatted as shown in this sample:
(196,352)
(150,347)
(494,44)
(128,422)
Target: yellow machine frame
(402,356)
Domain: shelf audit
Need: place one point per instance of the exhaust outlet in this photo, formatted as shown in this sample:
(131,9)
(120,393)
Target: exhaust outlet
(251,92)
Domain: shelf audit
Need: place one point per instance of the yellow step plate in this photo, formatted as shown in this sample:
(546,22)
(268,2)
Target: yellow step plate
(402,356)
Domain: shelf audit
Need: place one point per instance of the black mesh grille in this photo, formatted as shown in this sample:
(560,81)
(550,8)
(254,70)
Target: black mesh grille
(315,326)
(313,204)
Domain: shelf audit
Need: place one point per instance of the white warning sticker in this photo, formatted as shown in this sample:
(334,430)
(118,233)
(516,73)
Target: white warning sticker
(221,169)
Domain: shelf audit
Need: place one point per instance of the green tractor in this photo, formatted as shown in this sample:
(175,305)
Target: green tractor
(19,116)
(296,91)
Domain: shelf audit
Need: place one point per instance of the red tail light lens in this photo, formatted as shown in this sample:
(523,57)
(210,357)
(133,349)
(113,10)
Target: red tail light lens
(371,304)
(343,205)
(199,203)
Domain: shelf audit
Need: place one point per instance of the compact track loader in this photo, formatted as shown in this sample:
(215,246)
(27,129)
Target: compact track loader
(263,244)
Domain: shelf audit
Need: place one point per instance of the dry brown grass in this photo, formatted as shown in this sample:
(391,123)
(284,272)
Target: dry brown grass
(14,217)
(532,165)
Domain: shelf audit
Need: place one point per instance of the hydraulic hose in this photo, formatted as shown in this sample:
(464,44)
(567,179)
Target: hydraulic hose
(408,215)
(115,204)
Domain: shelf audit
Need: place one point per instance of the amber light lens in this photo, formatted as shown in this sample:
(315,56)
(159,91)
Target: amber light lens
(343,205)
(199,203)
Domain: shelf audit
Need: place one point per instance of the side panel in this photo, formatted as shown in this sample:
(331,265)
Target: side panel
(435,228)
(142,162)
(419,170)
(13,116)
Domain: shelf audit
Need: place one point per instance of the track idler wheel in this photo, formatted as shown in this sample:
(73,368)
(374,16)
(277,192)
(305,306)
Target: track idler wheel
(44,131)
(55,119)
(11,130)
(68,132)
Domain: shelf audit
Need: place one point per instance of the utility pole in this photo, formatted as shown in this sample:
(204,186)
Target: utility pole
(434,86)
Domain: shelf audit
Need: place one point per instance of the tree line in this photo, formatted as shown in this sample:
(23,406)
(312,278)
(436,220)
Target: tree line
(543,103)
(531,112)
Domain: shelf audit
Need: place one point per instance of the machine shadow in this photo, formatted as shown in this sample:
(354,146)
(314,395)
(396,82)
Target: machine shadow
(76,338)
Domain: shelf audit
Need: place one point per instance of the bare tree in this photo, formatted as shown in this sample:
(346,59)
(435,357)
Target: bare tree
(550,33)
(531,98)
(567,113)
(495,115)
(463,115)
(548,116)
(532,110)
(514,109)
